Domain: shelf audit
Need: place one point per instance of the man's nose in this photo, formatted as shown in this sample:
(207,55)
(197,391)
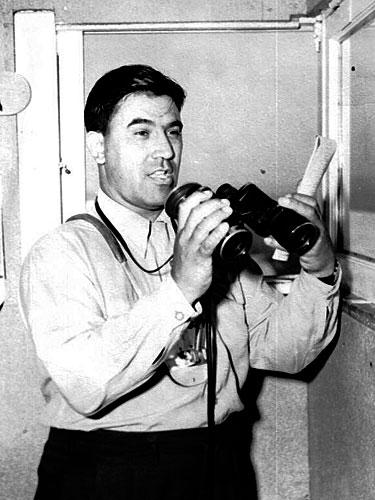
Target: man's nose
(163,147)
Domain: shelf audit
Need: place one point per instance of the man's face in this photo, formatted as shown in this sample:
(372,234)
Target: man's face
(142,153)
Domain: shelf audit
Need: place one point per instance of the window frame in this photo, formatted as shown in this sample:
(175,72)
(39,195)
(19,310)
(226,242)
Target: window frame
(359,271)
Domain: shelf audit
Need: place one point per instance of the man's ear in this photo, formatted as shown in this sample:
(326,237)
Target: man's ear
(95,144)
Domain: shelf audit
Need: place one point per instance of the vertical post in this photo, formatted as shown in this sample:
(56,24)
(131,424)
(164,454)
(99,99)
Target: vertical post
(333,129)
(38,134)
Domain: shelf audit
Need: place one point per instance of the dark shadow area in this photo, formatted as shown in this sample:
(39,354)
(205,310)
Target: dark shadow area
(314,368)
(249,395)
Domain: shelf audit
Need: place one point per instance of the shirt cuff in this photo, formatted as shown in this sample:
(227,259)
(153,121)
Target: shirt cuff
(177,312)
(176,307)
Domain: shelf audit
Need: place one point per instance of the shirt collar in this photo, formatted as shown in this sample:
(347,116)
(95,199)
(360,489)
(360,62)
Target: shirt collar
(129,223)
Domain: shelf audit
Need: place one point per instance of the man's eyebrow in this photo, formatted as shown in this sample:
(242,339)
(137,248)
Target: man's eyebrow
(137,121)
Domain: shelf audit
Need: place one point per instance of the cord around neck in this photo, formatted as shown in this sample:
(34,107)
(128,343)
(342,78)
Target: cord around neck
(123,243)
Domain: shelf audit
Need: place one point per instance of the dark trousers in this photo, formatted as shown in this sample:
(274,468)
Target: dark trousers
(168,465)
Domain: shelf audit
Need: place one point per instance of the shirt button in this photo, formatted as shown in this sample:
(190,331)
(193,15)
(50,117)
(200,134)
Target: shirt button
(179,315)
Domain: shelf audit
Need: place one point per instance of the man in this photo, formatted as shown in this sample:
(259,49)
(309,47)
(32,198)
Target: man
(120,328)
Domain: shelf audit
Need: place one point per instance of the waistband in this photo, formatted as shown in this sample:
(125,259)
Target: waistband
(231,429)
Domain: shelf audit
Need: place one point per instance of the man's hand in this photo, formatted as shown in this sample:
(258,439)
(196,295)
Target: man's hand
(320,260)
(200,228)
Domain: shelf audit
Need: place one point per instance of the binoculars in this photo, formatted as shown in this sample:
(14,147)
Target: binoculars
(253,210)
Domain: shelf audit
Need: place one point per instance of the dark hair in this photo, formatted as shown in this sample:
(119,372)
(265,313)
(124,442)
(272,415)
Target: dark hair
(120,82)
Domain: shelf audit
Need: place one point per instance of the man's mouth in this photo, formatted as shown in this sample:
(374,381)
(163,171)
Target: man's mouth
(162,176)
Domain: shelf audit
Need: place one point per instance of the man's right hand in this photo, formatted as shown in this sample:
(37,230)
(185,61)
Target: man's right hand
(201,227)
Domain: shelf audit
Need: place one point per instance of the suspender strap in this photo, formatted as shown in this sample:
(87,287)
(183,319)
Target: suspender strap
(106,233)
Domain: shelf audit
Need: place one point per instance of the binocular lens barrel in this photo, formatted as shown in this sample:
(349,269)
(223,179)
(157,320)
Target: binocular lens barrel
(179,194)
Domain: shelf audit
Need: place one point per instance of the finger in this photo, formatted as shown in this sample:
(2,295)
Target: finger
(216,209)
(303,198)
(307,207)
(308,200)
(192,201)
(209,224)
(209,244)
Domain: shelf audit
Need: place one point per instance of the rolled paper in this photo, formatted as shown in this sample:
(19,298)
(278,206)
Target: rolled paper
(320,159)
(324,149)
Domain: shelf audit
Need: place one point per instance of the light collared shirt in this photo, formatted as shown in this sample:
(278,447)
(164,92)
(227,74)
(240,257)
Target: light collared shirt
(109,336)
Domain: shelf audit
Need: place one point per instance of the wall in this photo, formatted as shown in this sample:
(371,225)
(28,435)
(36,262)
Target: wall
(341,414)
(280,433)
(261,142)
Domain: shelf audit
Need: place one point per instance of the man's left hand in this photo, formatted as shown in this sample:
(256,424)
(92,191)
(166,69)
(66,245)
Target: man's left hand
(320,260)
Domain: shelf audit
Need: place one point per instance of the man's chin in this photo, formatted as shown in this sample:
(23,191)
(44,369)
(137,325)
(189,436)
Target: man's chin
(166,189)
(157,197)
(159,202)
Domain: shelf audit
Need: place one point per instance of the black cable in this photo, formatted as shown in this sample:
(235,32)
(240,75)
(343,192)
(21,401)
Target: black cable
(211,365)
(119,237)
(211,390)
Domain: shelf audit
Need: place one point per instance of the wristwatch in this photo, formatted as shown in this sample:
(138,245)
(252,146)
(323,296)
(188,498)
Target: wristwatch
(331,279)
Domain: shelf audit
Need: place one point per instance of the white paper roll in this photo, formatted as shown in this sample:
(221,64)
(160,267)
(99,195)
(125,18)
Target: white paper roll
(324,149)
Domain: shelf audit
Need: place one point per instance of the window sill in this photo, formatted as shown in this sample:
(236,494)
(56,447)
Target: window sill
(360,309)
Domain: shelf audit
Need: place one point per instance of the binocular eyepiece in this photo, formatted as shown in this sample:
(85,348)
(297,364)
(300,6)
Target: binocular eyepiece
(256,211)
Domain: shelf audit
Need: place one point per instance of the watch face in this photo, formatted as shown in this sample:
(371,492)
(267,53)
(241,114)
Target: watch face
(187,359)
